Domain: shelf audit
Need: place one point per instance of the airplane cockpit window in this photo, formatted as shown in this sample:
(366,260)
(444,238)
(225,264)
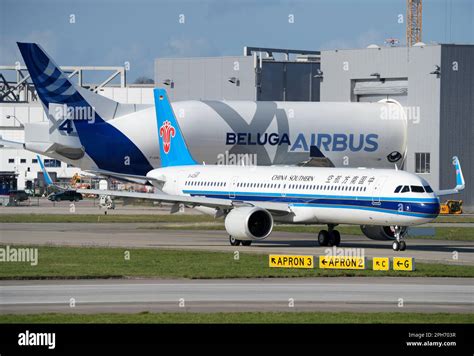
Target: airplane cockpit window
(417,189)
(405,189)
(428,189)
(397,189)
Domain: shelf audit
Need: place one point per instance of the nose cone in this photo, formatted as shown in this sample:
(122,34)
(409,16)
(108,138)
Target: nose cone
(432,208)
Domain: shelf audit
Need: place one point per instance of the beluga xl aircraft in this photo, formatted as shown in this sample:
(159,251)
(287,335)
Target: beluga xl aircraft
(251,198)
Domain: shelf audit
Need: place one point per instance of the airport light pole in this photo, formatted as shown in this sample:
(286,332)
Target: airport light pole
(8,117)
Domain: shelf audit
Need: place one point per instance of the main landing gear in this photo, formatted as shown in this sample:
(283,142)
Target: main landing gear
(399,244)
(329,238)
(234,242)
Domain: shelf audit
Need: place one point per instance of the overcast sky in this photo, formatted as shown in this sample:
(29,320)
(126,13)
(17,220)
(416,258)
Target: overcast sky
(106,32)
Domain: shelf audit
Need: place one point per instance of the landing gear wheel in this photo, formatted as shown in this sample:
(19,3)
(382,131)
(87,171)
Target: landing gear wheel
(334,238)
(403,245)
(399,244)
(233,241)
(246,242)
(323,238)
(396,246)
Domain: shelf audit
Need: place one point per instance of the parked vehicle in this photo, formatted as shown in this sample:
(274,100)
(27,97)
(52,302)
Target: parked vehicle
(18,195)
(70,195)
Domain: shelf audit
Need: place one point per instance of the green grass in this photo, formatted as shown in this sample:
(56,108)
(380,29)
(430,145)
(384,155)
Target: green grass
(92,262)
(454,219)
(243,317)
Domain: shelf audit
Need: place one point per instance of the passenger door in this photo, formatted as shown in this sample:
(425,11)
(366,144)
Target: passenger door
(233,187)
(377,190)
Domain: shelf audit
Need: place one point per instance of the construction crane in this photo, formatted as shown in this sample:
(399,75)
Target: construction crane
(414,21)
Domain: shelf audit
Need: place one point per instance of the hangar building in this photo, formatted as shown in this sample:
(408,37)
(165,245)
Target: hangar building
(435,84)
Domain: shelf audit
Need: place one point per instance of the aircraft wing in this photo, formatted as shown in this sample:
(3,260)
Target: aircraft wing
(277,208)
(126,177)
(460,182)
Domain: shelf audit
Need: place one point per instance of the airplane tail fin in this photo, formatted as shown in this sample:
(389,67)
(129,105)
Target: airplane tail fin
(80,117)
(54,87)
(173,148)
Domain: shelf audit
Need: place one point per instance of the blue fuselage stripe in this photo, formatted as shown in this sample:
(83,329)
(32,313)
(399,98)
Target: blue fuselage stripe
(423,207)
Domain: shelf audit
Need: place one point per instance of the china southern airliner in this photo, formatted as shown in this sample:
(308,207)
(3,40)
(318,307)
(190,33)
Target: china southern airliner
(383,202)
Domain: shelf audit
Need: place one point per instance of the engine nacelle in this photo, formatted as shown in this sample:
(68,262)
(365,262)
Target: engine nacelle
(249,223)
(380,233)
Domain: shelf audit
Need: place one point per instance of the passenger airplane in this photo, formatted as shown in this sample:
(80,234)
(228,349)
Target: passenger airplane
(383,202)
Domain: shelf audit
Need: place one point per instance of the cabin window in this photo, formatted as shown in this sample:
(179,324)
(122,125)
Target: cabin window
(397,189)
(405,189)
(428,189)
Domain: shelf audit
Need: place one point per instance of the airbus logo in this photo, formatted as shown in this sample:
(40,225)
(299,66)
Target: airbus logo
(327,142)
(167,131)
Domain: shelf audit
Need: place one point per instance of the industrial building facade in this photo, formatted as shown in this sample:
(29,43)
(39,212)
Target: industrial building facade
(257,75)
(435,84)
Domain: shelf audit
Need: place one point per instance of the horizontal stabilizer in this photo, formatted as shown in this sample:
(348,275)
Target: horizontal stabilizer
(11,144)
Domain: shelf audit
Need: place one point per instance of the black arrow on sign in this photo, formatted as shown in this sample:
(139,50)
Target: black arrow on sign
(377,263)
(323,262)
(273,259)
(399,263)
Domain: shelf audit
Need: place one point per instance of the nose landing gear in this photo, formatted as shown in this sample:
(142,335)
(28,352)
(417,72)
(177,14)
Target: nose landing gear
(399,244)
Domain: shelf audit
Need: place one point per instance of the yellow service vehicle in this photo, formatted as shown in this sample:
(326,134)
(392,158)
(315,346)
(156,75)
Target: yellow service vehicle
(451,207)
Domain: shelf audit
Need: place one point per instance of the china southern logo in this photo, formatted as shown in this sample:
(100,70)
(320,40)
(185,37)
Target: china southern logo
(167,131)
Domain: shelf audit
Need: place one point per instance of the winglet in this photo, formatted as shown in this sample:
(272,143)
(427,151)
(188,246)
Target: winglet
(460,182)
(173,148)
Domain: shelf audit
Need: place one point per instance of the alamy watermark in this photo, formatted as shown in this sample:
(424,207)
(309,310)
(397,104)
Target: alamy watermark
(75,113)
(392,112)
(345,252)
(236,159)
(37,339)
(19,254)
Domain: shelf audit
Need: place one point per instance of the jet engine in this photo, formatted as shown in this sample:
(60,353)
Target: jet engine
(380,233)
(249,223)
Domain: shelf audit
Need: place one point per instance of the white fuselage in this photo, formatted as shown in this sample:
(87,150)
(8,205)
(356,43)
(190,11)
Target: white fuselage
(314,195)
